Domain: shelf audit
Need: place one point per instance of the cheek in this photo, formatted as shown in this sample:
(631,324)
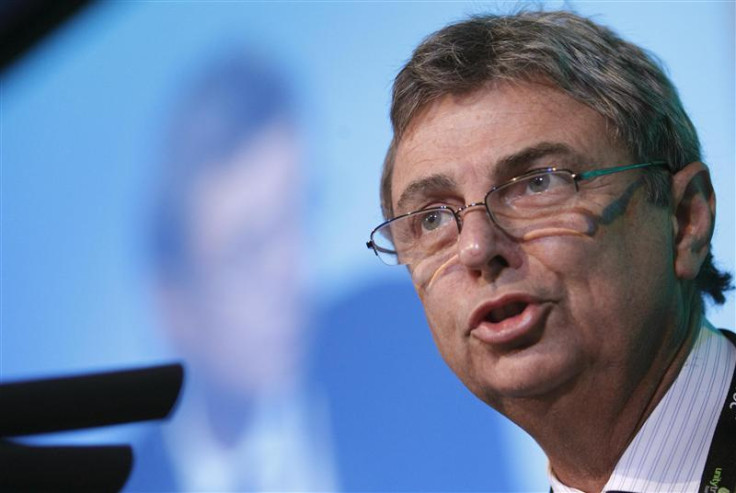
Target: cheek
(557,261)
(608,279)
(437,317)
(573,271)
(443,308)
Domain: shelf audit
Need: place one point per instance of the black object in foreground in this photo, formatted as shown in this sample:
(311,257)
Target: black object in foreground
(24,23)
(71,403)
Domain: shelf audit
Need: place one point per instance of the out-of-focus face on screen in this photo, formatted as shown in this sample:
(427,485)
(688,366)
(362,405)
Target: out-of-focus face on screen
(237,312)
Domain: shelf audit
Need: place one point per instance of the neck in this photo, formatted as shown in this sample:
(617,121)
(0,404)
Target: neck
(583,431)
(230,412)
(228,417)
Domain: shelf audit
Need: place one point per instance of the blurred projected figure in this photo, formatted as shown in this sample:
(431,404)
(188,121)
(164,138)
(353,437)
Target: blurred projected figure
(228,244)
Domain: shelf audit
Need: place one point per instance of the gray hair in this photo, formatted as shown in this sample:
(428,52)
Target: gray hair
(587,61)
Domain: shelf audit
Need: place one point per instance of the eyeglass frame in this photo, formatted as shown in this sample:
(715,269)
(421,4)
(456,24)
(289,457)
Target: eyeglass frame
(576,179)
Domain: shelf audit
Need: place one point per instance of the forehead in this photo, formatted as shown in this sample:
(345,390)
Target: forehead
(468,139)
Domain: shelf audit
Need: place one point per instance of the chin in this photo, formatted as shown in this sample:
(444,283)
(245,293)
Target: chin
(527,374)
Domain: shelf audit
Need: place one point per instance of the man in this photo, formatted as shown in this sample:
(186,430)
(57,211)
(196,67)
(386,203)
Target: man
(227,250)
(546,192)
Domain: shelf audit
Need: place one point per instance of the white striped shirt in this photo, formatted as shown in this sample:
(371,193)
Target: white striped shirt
(668,453)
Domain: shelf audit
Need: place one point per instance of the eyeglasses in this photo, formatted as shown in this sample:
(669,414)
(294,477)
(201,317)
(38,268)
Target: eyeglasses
(540,199)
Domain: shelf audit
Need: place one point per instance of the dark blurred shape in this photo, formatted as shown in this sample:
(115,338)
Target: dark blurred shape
(24,22)
(72,403)
(68,403)
(57,468)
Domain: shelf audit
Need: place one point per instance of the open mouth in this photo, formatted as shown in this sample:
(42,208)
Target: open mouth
(506,311)
(513,321)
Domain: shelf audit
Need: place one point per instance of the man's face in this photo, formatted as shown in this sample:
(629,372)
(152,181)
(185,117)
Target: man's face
(530,317)
(242,317)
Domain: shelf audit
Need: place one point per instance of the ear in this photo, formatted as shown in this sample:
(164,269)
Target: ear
(694,208)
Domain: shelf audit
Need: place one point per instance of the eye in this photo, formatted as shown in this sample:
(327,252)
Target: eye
(425,224)
(541,183)
(538,190)
(433,220)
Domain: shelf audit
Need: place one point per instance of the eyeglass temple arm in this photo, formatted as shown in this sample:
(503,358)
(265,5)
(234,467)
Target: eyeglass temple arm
(607,171)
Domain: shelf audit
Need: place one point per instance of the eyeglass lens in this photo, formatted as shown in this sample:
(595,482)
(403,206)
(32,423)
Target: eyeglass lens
(538,201)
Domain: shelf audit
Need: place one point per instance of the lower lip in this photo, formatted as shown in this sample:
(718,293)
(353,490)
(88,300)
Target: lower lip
(512,329)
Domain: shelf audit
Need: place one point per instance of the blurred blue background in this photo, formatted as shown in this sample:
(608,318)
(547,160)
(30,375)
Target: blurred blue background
(85,138)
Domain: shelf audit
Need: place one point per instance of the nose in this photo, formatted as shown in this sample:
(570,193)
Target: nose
(482,245)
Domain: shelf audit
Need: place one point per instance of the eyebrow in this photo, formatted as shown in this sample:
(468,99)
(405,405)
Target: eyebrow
(423,187)
(525,156)
(442,183)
